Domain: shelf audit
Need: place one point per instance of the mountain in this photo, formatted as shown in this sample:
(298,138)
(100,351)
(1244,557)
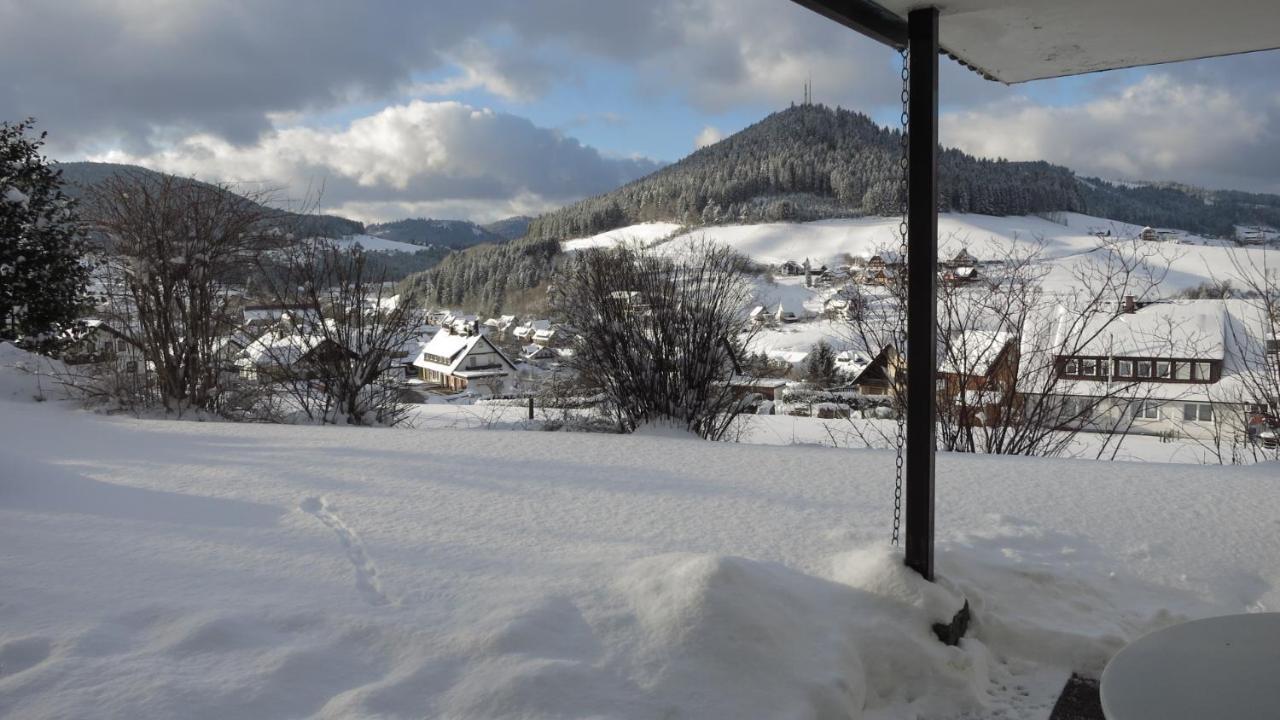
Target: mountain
(510,228)
(807,163)
(80,177)
(1173,205)
(811,162)
(454,234)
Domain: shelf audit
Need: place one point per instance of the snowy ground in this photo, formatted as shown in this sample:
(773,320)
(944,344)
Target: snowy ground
(211,570)
(374,243)
(1065,244)
(644,233)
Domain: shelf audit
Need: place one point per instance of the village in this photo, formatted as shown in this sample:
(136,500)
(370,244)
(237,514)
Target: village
(823,345)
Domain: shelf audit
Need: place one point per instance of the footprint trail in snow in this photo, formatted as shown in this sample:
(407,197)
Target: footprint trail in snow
(367,581)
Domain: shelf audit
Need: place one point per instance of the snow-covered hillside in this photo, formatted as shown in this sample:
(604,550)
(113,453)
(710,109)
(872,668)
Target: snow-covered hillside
(1192,261)
(374,243)
(211,570)
(644,233)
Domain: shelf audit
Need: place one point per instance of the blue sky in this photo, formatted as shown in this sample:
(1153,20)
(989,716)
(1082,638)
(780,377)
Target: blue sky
(495,107)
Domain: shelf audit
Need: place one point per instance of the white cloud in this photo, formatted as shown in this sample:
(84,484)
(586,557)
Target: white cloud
(408,159)
(1159,128)
(710,135)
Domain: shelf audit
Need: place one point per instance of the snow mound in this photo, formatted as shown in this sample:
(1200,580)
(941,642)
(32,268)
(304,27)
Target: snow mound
(707,636)
(27,377)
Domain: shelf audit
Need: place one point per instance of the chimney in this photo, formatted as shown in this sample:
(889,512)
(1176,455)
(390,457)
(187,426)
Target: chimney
(475,324)
(1130,305)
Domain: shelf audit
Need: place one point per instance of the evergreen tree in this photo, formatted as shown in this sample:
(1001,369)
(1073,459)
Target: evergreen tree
(820,368)
(42,276)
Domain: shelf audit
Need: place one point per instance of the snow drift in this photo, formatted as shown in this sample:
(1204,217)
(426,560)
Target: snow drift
(213,570)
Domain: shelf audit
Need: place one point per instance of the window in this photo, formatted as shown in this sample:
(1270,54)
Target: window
(1146,411)
(1182,370)
(1124,368)
(1197,412)
(1162,368)
(1072,367)
(1144,368)
(120,345)
(1089,367)
(131,366)
(1204,372)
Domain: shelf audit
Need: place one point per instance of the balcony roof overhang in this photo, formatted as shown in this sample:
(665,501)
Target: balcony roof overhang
(1015,41)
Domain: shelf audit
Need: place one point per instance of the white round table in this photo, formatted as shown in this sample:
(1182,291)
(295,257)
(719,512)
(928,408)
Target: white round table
(1223,667)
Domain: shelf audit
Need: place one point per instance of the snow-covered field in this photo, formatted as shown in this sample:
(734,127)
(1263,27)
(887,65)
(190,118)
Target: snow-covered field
(373,243)
(1191,262)
(643,233)
(167,569)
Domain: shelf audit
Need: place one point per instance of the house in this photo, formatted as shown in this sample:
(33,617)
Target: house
(842,307)
(1184,367)
(962,259)
(1148,234)
(530,328)
(870,377)
(462,322)
(538,352)
(887,259)
(544,336)
(961,275)
(500,324)
(878,275)
(767,388)
(279,354)
(436,316)
(977,373)
(101,342)
(851,363)
(791,267)
(464,362)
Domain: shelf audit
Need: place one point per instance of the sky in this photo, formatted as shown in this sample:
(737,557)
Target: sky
(489,108)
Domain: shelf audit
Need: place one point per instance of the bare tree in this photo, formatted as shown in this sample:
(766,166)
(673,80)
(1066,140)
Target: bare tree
(174,251)
(660,331)
(340,340)
(1003,338)
(1252,402)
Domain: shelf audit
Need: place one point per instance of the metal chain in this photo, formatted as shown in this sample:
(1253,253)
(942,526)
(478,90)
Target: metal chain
(899,460)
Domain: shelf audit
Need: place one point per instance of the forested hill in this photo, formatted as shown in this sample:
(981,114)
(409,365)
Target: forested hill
(80,177)
(804,163)
(1207,212)
(454,234)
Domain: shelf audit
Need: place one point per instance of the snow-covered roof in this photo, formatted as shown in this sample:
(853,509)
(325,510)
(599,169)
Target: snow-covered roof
(454,348)
(1191,329)
(448,345)
(762,382)
(278,349)
(1241,332)
(972,352)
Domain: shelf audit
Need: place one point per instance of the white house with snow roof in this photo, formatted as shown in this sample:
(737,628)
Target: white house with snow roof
(1183,367)
(464,362)
(530,328)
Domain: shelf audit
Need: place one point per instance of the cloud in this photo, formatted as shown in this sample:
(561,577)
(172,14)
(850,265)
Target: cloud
(709,135)
(418,158)
(118,72)
(1164,126)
